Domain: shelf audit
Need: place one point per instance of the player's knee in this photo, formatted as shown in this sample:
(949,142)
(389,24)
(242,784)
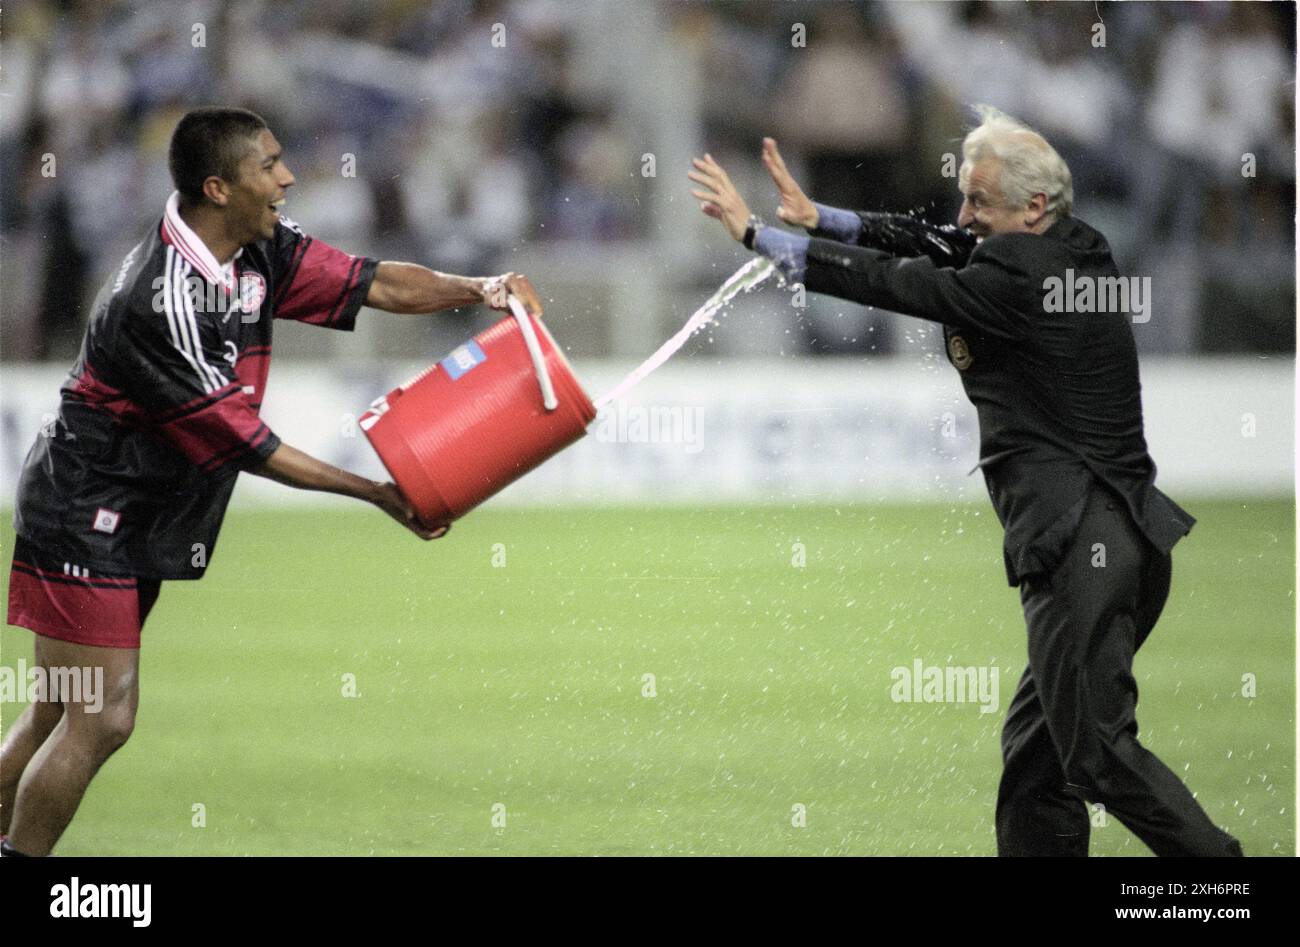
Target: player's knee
(111,727)
(116,730)
(118,725)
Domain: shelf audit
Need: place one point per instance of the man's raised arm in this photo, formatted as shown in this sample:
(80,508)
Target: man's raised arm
(895,234)
(991,294)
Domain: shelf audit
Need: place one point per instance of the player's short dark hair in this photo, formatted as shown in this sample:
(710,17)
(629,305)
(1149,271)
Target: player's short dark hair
(207,142)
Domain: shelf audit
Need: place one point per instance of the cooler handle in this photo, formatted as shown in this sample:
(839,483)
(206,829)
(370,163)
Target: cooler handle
(526,329)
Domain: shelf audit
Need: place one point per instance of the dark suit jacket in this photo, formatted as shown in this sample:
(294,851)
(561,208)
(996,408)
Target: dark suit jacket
(1057,393)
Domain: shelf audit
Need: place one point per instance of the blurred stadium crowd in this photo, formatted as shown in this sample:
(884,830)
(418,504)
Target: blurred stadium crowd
(473,157)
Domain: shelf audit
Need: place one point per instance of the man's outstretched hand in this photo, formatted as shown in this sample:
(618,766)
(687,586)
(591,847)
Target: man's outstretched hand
(497,289)
(718,197)
(795,207)
(389,499)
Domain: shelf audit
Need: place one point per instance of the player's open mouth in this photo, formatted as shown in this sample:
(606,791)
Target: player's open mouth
(276,205)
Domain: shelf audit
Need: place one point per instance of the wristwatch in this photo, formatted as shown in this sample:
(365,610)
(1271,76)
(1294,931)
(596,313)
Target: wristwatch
(752,227)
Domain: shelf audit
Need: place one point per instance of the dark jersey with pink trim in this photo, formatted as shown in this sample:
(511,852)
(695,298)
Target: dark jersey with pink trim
(160,412)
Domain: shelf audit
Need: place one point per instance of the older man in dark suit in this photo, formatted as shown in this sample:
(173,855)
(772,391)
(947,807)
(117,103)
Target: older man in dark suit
(1055,385)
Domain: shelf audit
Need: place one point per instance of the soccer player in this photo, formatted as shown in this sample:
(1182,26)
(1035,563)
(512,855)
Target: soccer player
(158,416)
(1063,454)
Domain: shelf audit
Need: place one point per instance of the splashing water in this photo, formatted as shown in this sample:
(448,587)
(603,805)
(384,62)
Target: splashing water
(742,281)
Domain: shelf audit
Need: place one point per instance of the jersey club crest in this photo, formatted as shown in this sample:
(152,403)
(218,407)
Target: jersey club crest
(252,291)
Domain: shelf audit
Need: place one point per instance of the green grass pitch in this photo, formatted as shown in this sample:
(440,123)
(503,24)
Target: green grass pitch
(518,691)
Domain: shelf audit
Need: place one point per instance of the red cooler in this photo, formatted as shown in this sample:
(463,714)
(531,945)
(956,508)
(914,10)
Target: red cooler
(480,419)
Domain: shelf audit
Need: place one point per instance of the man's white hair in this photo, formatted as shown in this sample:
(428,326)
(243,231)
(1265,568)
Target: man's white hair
(1029,164)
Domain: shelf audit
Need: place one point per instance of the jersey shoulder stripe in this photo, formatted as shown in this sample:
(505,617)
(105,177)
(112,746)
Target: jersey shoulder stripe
(178,306)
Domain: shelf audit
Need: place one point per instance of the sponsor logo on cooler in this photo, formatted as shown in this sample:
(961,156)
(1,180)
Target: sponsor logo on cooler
(462,359)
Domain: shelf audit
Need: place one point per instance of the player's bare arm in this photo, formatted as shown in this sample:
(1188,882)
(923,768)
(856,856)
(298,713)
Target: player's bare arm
(415,289)
(292,467)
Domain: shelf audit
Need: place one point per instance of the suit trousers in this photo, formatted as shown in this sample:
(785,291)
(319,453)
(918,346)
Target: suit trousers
(1071,731)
